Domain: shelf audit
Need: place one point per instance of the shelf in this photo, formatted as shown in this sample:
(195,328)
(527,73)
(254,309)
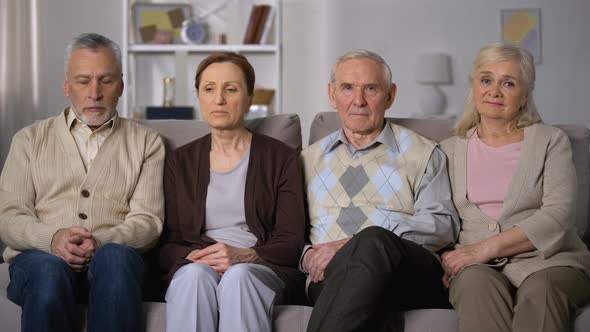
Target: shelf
(145,65)
(238,48)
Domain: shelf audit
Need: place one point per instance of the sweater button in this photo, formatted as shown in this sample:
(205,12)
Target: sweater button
(82,216)
(492,227)
(85,193)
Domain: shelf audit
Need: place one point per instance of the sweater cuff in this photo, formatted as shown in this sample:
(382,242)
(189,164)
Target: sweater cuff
(305,249)
(45,237)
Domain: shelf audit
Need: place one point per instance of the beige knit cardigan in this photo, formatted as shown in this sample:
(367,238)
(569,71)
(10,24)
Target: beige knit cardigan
(44,187)
(540,200)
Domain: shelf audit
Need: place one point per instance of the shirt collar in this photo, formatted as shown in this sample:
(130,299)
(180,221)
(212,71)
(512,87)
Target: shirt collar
(72,120)
(386,137)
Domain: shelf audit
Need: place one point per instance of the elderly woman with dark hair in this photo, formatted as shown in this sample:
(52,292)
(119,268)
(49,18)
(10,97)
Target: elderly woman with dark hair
(518,264)
(234,213)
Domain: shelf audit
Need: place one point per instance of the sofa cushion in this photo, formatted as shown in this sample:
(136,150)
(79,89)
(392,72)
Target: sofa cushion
(325,123)
(284,127)
(580,141)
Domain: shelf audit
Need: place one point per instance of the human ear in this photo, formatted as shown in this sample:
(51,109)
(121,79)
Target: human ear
(331,92)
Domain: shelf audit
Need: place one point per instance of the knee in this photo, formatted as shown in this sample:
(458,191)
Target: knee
(117,263)
(191,279)
(195,272)
(236,279)
(237,274)
(197,275)
(54,268)
(555,288)
(372,233)
(474,282)
(115,256)
(48,273)
(539,286)
(474,276)
(374,239)
(48,281)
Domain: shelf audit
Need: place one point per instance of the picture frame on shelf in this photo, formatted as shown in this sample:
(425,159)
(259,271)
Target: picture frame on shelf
(159,23)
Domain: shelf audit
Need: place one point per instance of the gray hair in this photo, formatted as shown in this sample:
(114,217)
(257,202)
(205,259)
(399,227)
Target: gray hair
(361,54)
(92,41)
(494,53)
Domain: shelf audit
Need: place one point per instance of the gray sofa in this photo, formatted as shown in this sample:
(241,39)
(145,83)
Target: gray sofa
(287,127)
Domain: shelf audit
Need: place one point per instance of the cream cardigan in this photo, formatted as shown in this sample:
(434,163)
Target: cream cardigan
(44,187)
(541,200)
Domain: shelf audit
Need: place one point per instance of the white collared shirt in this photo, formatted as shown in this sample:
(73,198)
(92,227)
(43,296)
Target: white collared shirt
(88,141)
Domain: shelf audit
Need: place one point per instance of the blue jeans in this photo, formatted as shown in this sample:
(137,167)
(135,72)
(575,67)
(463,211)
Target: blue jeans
(49,291)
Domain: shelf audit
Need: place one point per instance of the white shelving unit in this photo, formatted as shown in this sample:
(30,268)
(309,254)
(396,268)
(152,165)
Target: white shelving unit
(145,65)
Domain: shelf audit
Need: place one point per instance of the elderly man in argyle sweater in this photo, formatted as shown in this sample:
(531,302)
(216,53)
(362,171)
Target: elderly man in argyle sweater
(380,208)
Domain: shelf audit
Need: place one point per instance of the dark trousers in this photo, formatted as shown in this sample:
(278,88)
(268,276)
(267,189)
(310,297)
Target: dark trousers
(371,279)
(50,292)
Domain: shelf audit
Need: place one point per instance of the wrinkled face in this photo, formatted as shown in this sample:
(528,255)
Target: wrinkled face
(93,83)
(361,95)
(499,91)
(223,96)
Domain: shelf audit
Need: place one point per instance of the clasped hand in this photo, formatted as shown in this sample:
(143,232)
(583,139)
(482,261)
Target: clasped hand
(220,256)
(319,256)
(456,260)
(75,245)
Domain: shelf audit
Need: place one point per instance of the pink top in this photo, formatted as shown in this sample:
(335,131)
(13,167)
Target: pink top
(489,173)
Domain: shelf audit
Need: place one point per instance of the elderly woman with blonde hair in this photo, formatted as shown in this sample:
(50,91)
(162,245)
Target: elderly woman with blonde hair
(518,264)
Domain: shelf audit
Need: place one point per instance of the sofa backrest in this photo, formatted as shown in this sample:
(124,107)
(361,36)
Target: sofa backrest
(325,123)
(284,127)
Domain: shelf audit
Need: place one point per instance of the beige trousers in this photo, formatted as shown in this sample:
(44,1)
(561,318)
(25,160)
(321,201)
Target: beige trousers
(547,300)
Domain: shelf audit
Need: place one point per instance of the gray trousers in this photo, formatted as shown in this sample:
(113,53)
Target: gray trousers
(547,300)
(199,299)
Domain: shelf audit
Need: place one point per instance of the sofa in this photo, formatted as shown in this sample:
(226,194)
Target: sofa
(286,127)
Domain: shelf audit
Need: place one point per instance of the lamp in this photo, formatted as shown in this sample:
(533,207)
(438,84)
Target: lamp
(432,69)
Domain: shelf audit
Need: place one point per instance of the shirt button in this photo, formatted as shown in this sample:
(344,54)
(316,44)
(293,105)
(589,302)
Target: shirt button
(492,227)
(82,216)
(85,193)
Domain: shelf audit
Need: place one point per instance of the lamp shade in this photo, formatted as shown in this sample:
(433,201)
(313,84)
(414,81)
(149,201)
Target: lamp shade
(433,68)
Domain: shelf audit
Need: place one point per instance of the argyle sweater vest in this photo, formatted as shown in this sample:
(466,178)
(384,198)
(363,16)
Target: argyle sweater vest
(346,195)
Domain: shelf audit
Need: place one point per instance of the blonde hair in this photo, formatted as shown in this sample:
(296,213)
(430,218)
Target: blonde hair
(494,53)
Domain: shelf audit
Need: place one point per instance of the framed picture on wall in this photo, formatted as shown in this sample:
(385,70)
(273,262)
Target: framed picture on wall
(158,23)
(522,27)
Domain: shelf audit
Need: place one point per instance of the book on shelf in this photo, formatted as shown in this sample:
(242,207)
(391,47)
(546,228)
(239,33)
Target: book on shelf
(251,28)
(260,15)
(260,25)
(267,25)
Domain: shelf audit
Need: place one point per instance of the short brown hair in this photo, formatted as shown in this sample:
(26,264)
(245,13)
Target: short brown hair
(235,58)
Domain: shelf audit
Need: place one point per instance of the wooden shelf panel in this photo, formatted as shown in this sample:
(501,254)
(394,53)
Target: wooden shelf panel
(151,48)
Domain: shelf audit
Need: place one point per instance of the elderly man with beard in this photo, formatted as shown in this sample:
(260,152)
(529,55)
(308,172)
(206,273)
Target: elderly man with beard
(81,198)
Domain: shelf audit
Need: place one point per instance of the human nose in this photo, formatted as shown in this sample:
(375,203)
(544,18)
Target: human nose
(358,97)
(219,97)
(495,90)
(95,92)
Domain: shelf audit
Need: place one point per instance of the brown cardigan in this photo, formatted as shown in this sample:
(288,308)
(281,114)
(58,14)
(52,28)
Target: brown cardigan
(274,207)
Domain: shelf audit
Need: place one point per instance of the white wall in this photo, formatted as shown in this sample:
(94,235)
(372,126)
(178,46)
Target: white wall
(315,32)
(60,21)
